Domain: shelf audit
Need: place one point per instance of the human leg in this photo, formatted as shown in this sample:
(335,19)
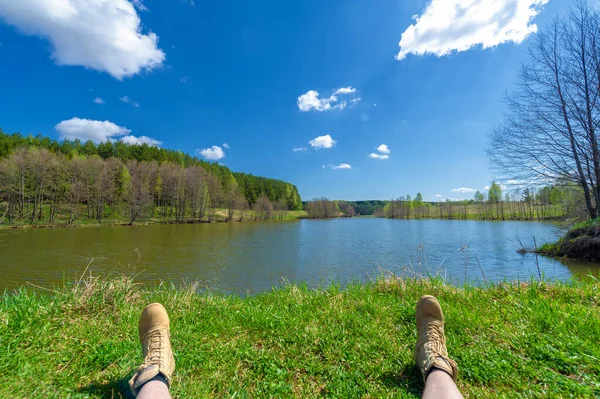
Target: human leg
(440,385)
(153,377)
(431,356)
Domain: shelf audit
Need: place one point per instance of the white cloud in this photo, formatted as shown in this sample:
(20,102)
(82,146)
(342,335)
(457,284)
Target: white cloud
(341,166)
(189,2)
(214,153)
(299,149)
(486,188)
(141,140)
(98,100)
(226,146)
(345,90)
(384,149)
(378,156)
(322,142)
(128,100)
(463,190)
(311,101)
(139,5)
(459,25)
(104,35)
(86,129)
(184,79)
(100,131)
(438,195)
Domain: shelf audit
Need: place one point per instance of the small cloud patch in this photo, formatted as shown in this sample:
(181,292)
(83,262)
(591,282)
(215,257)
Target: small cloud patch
(322,142)
(213,153)
(312,101)
(463,190)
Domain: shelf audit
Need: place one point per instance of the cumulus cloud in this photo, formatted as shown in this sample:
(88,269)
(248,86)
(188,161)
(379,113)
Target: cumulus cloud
(459,25)
(87,129)
(128,100)
(214,153)
(100,131)
(226,146)
(141,140)
(463,190)
(98,100)
(311,100)
(341,166)
(299,149)
(384,149)
(378,156)
(104,35)
(438,195)
(322,142)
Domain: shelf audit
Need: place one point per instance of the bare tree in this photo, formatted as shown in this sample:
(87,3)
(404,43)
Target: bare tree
(263,208)
(549,132)
(137,189)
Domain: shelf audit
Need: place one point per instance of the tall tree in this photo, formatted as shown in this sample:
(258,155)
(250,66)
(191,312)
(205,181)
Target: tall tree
(550,130)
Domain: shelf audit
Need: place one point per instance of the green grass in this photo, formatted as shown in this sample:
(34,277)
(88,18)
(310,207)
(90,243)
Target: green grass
(580,242)
(510,340)
(62,220)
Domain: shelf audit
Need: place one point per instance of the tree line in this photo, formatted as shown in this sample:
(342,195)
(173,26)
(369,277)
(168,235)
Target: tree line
(549,202)
(44,179)
(323,208)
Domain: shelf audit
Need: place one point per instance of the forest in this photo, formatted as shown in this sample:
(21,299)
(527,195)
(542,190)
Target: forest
(48,180)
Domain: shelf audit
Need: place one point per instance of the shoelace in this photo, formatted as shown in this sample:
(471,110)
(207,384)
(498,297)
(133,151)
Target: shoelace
(155,347)
(435,338)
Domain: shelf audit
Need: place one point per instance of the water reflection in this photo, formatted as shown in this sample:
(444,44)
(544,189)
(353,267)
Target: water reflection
(246,258)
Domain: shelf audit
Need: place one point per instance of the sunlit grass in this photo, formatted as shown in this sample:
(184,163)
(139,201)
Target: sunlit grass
(509,340)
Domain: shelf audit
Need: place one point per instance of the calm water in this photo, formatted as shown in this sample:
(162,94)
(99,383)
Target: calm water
(252,257)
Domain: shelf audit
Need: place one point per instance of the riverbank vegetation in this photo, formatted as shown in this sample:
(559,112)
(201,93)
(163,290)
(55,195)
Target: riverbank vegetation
(547,203)
(294,342)
(44,181)
(582,241)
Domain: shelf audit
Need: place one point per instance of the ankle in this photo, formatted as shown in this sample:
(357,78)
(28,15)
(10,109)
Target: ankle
(157,382)
(438,372)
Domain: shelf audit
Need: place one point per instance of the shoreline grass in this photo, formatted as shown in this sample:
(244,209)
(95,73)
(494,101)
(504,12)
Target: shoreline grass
(220,217)
(517,340)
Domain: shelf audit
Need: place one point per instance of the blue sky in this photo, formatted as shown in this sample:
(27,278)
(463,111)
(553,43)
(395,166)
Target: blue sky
(239,80)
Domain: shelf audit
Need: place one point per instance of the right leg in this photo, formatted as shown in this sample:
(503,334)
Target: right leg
(154,375)
(439,371)
(440,385)
(154,390)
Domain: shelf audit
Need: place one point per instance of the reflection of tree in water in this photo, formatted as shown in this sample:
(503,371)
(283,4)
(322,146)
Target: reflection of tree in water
(582,270)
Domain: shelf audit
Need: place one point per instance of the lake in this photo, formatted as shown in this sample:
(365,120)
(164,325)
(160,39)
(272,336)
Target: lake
(248,258)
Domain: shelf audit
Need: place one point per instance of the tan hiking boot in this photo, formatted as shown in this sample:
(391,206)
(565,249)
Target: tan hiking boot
(430,351)
(156,345)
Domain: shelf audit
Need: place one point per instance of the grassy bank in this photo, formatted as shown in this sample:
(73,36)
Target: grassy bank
(582,242)
(510,341)
(120,220)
